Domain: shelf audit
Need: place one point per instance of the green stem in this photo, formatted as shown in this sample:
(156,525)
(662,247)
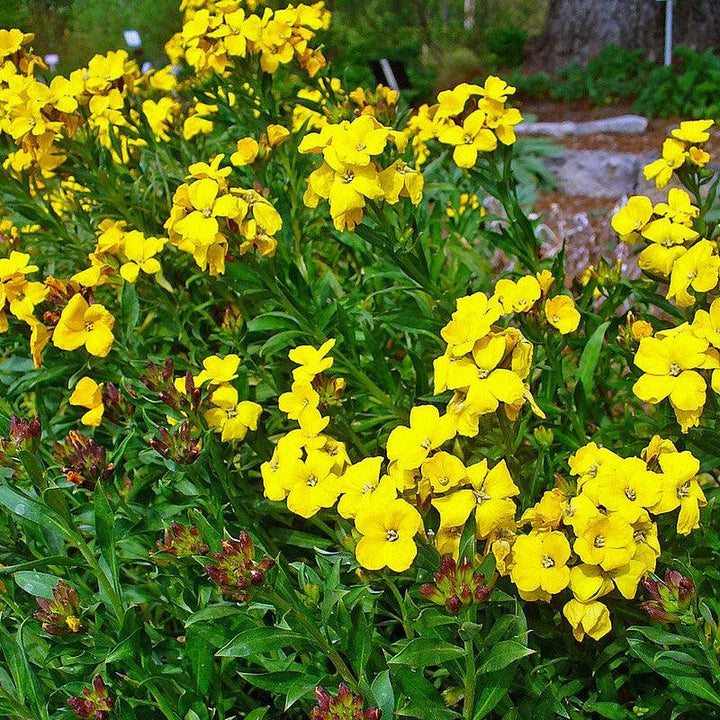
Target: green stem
(407,625)
(102,578)
(301,616)
(469,694)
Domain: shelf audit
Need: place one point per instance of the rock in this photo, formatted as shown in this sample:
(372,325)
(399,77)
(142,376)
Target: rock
(595,173)
(623,125)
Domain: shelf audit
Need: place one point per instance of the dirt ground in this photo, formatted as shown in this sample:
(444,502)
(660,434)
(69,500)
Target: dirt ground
(584,222)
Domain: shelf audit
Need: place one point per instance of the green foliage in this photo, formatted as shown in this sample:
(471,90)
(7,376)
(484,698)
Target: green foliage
(686,89)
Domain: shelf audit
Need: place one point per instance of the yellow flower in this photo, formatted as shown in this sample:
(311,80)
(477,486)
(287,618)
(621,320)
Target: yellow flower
(360,486)
(388,530)
(470,139)
(697,269)
(680,488)
(631,218)
(605,540)
(277,135)
(312,485)
(312,361)
(489,497)
(471,321)
(245,153)
(547,514)
(140,255)
(540,562)
(561,313)
(83,324)
(518,296)
(409,446)
(229,417)
(591,619)
(88,394)
(217,370)
(629,489)
(443,471)
(673,156)
(400,180)
(670,371)
(589,582)
(277,474)
(693,131)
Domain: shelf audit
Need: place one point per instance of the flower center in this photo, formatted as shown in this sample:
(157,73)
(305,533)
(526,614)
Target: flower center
(348,176)
(392,535)
(630,494)
(312,481)
(367,488)
(480,496)
(675,369)
(426,444)
(468,139)
(88,326)
(207,212)
(684,490)
(599,541)
(482,373)
(548,562)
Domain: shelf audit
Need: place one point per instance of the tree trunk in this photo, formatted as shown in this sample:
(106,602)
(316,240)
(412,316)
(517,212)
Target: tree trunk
(577,30)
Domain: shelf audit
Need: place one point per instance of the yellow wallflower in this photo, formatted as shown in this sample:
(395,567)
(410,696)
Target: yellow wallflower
(591,619)
(229,417)
(312,361)
(217,370)
(409,446)
(673,156)
(388,530)
(561,313)
(698,269)
(88,394)
(83,324)
(313,485)
(540,562)
(361,486)
(680,488)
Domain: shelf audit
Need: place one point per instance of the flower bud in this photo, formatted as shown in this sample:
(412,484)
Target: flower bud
(181,541)
(95,704)
(59,616)
(672,599)
(456,586)
(343,706)
(83,460)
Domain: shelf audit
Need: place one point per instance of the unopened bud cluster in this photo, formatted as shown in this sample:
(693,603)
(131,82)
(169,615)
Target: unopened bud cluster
(181,541)
(672,599)
(236,570)
(23,435)
(160,379)
(95,703)
(83,461)
(456,586)
(177,444)
(59,616)
(343,706)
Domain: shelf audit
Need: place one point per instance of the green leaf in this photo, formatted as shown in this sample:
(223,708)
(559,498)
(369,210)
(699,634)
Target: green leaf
(36,583)
(27,508)
(424,652)
(503,654)
(591,356)
(129,308)
(32,467)
(200,652)
(257,714)
(260,640)
(494,688)
(105,530)
(383,693)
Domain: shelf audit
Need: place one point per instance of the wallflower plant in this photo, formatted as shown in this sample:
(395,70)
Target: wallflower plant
(277,438)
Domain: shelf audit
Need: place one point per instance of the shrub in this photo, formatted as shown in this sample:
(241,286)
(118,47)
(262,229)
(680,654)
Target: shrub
(278,437)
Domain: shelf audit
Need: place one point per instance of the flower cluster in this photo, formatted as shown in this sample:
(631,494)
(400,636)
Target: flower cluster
(95,703)
(18,295)
(206,212)
(214,38)
(684,148)
(470,118)
(676,362)
(182,541)
(615,538)
(675,249)
(118,250)
(235,570)
(84,462)
(485,366)
(343,706)
(672,598)
(350,174)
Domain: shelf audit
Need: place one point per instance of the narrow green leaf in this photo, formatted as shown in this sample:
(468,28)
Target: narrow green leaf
(425,652)
(260,640)
(591,356)
(36,583)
